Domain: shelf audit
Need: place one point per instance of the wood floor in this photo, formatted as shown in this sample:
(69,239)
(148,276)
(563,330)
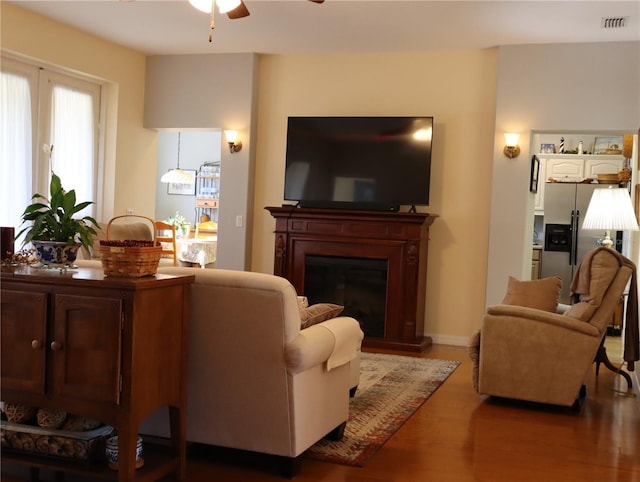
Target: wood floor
(460,436)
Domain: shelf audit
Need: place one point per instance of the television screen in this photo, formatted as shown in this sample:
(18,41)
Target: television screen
(358,162)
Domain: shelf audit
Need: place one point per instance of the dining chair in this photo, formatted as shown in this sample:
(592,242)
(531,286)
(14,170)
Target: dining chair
(210,226)
(168,241)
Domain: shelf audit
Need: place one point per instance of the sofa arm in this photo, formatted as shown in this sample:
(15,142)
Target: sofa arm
(316,345)
(555,319)
(347,337)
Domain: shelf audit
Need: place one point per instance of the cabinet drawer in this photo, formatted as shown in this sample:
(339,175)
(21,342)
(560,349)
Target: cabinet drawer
(536,254)
(206,203)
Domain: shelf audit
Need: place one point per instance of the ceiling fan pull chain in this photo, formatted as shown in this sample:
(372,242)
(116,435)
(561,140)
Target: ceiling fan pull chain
(212,23)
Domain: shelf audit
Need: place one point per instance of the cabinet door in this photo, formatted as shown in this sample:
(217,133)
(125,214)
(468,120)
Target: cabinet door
(559,168)
(23,338)
(86,348)
(594,167)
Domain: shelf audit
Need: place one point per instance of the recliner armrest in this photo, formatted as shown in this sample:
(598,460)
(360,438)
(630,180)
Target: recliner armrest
(555,319)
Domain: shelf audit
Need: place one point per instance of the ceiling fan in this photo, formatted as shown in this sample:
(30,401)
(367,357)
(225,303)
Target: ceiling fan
(233,8)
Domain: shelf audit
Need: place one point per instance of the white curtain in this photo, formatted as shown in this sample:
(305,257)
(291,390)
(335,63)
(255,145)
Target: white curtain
(15,148)
(73,143)
(40,106)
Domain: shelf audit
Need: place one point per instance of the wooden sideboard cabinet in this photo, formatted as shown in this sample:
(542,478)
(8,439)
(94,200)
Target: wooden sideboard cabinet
(111,349)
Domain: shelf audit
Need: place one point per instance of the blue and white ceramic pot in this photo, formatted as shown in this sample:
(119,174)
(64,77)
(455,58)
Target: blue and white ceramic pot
(111,452)
(56,253)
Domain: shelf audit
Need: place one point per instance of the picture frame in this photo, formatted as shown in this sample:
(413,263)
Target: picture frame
(608,145)
(535,172)
(183,189)
(547,148)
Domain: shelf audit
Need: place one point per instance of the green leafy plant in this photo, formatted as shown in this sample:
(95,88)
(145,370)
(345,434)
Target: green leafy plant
(52,219)
(179,221)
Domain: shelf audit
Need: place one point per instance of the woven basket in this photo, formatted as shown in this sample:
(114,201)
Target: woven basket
(121,260)
(608,178)
(50,418)
(19,413)
(624,174)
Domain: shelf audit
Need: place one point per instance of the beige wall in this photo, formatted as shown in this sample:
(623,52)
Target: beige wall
(131,151)
(458,89)
(546,87)
(205,92)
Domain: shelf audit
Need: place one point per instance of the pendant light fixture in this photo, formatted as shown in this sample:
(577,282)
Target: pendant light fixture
(177,176)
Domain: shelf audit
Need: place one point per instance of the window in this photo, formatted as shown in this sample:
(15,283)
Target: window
(41,108)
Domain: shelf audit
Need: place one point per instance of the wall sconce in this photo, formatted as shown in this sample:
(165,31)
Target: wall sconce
(511,148)
(235,144)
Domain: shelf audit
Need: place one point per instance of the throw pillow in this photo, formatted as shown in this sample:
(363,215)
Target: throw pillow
(541,294)
(318,313)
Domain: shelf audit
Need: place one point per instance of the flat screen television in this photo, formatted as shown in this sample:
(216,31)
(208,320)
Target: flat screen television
(374,163)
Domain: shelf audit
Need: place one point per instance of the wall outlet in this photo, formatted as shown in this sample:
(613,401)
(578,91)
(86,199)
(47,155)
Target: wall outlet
(129,211)
(238,221)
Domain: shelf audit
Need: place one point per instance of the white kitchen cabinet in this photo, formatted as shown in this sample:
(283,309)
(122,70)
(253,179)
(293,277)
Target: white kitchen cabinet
(602,165)
(574,167)
(559,168)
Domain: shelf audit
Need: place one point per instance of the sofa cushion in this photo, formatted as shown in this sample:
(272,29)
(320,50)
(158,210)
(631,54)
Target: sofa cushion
(318,313)
(541,294)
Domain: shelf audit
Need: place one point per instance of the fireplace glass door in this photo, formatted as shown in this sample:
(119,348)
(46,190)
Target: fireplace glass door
(358,284)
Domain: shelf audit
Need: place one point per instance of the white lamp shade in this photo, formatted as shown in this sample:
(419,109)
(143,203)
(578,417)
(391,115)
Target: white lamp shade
(511,139)
(231,136)
(202,5)
(177,176)
(610,209)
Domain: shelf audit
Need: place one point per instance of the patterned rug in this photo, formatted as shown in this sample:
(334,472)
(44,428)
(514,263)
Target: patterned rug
(391,389)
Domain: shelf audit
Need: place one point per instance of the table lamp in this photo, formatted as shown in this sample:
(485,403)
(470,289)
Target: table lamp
(610,209)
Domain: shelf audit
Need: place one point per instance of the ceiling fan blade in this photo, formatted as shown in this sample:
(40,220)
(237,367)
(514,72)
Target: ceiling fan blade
(239,12)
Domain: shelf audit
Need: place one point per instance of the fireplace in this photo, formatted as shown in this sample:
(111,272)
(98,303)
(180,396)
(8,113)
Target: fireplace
(372,262)
(360,285)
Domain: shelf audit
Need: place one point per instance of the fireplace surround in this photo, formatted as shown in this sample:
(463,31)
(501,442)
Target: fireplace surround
(365,244)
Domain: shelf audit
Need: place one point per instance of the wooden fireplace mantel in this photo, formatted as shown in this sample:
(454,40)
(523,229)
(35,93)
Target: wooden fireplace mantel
(401,239)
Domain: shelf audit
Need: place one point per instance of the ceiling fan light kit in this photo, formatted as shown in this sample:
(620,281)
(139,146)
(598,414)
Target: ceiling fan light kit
(202,5)
(233,8)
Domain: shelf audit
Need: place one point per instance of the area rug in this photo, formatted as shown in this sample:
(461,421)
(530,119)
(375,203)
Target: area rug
(390,390)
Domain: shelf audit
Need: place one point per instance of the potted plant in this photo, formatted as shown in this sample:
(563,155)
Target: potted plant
(55,234)
(181,224)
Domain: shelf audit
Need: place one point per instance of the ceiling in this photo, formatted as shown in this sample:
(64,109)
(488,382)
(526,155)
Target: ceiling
(157,27)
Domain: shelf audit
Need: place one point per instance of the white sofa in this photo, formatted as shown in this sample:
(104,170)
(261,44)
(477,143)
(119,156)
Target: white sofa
(257,382)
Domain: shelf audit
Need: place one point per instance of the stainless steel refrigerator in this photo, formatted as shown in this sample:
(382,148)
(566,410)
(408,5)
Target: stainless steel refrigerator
(565,243)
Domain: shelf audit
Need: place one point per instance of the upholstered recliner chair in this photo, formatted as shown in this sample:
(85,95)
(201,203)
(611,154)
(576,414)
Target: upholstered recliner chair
(527,350)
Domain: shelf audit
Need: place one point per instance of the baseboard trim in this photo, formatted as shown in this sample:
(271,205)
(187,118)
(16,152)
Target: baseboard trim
(449,340)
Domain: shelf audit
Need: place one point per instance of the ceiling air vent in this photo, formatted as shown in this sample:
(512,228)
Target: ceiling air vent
(613,22)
